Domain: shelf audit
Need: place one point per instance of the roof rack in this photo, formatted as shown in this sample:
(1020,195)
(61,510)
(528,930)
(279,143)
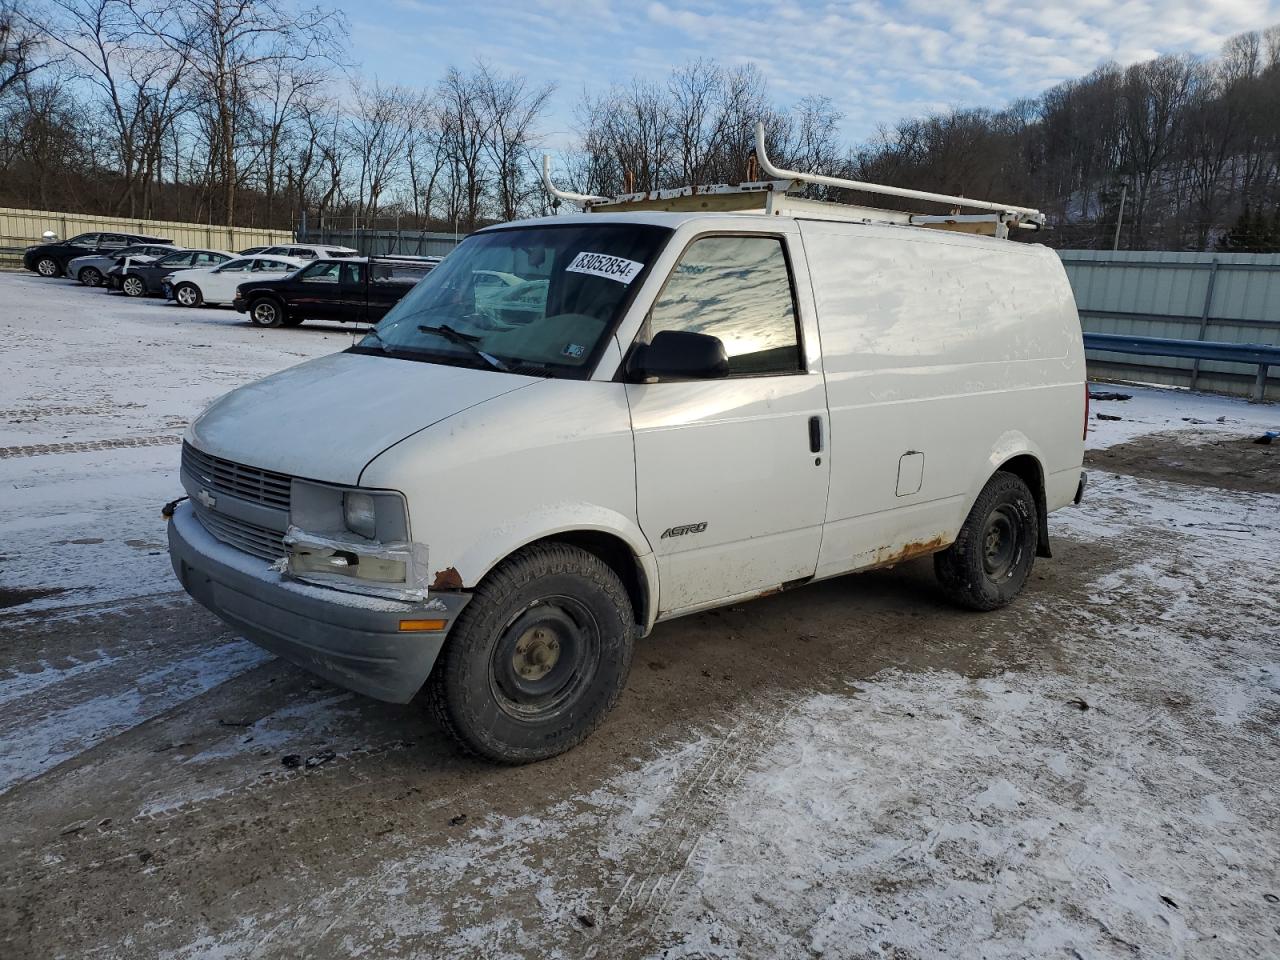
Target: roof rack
(775,198)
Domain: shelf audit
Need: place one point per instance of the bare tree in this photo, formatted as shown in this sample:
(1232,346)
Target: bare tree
(19,47)
(232,48)
(512,110)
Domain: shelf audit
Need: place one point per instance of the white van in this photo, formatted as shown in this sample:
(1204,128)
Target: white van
(688,409)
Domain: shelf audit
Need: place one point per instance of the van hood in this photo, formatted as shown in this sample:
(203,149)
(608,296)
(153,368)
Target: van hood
(327,418)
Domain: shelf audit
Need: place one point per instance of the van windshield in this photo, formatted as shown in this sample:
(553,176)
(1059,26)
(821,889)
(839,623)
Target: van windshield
(537,300)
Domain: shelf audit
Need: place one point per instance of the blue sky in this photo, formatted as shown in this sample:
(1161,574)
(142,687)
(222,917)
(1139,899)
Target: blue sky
(877,60)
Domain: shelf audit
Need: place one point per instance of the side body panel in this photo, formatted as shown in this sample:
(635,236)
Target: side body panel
(945,356)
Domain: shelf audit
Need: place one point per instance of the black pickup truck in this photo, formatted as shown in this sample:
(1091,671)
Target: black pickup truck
(349,290)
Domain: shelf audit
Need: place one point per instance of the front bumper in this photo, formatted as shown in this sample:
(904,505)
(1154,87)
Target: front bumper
(239,304)
(351,640)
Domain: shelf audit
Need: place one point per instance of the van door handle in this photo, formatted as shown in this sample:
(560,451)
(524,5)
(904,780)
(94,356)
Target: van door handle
(815,434)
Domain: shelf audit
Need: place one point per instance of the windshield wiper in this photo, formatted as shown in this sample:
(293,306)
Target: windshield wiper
(464,340)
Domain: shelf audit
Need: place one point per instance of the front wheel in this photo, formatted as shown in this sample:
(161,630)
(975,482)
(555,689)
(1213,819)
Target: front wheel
(133,286)
(188,294)
(48,267)
(990,561)
(537,658)
(90,276)
(266,313)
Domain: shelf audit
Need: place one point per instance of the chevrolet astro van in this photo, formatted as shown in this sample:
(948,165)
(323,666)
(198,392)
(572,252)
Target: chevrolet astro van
(668,410)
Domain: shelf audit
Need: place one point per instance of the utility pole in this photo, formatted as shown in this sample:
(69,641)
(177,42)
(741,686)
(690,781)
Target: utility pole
(1115,244)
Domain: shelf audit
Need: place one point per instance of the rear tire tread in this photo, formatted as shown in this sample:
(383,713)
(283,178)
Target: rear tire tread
(959,568)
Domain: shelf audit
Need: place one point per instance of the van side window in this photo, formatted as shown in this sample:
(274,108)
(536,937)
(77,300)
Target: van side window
(737,289)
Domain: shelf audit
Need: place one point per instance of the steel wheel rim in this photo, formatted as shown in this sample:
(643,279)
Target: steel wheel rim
(546,657)
(186,296)
(1002,541)
(264,313)
(90,277)
(47,268)
(132,286)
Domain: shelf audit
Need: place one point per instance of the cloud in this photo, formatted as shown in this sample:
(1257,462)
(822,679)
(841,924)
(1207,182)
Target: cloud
(878,60)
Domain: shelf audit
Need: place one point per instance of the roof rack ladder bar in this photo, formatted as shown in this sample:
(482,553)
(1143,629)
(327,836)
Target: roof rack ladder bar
(581,199)
(767,166)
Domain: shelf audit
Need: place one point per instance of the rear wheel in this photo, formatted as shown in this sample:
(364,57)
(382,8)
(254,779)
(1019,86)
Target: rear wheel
(537,658)
(90,276)
(266,312)
(990,561)
(48,267)
(188,294)
(133,286)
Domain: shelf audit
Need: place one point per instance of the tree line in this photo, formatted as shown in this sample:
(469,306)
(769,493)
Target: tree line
(247,112)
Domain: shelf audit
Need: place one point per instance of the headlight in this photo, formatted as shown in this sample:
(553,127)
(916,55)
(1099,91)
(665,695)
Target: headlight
(355,540)
(358,514)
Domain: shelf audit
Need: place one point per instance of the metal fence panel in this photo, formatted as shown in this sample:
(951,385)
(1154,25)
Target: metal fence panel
(1230,297)
(20,228)
(419,243)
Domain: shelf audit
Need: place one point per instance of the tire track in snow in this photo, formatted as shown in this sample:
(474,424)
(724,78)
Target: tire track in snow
(84,446)
(44,729)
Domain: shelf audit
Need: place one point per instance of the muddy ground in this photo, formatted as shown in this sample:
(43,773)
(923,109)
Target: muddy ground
(853,769)
(1228,462)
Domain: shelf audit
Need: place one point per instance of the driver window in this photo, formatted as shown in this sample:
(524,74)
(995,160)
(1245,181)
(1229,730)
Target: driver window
(321,273)
(737,289)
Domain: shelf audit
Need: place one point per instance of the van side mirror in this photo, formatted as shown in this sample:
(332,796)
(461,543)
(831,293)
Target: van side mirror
(678,355)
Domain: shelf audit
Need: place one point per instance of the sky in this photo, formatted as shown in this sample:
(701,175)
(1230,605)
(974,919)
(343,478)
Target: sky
(877,60)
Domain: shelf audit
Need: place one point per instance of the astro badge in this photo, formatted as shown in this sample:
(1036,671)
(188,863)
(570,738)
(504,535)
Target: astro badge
(603,265)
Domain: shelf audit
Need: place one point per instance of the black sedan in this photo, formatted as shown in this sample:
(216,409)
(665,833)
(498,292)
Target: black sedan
(145,279)
(51,259)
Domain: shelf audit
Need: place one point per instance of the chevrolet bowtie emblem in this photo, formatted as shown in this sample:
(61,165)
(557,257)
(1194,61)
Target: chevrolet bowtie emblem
(207,499)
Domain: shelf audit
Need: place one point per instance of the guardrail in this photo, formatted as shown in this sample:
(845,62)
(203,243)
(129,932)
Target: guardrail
(1262,354)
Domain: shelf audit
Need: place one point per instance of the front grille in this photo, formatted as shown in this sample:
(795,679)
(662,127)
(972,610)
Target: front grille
(237,480)
(252,539)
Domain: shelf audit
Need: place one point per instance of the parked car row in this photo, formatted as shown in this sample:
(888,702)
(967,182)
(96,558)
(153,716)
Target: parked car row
(281,285)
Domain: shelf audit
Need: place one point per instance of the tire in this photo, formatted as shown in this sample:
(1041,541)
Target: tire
(90,276)
(266,312)
(48,267)
(990,561)
(537,658)
(294,321)
(188,295)
(133,286)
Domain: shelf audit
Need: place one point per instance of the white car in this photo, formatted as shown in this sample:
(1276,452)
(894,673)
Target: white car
(190,288)
(698,408)
(304,251)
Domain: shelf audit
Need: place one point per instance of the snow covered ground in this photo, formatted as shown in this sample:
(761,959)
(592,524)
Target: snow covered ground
(95,393)
(852,770)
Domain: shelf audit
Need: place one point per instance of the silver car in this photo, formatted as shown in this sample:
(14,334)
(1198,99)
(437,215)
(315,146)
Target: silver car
(90,269)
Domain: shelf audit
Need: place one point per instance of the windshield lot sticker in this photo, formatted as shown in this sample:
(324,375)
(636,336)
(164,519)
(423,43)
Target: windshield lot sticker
(603,265)
(574,350)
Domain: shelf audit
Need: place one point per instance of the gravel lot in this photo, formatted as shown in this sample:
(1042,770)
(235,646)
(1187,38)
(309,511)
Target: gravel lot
(849,770)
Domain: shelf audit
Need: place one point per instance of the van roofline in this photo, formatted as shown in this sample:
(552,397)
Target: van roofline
(750,222)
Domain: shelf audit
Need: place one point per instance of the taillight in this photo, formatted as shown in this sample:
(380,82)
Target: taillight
(1086,410)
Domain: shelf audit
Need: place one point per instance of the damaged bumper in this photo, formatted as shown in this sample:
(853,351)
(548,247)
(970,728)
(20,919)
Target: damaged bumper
(373,646)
